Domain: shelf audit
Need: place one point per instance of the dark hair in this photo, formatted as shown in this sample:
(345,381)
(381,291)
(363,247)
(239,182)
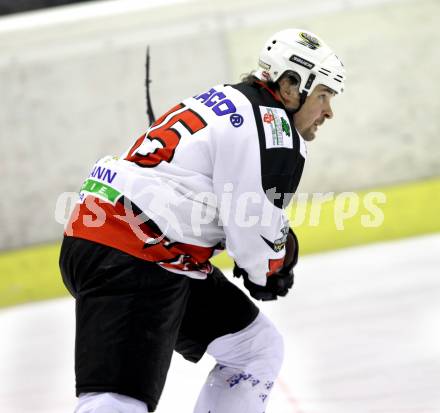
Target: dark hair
(293,77)
(250,79)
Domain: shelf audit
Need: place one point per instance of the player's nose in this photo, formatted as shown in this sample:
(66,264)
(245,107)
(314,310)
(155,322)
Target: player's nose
(328,111)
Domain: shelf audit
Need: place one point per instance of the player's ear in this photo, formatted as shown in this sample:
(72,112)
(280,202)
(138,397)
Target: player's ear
(289,89)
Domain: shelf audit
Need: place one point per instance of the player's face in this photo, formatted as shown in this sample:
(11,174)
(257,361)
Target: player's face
(314,112)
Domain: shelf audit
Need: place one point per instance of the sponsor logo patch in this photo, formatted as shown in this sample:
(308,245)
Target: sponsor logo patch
(268,118)
(221,105)
(100,190)
(236,120)
(277,129)
(279,243)
(286,127)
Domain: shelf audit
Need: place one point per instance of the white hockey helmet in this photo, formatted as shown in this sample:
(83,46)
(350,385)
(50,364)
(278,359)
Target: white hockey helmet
(306,54)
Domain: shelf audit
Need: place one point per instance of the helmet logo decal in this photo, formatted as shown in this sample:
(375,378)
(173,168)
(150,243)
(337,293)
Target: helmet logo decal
(301,61)
(309,41)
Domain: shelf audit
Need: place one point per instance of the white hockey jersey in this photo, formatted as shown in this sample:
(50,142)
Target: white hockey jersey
(213,172)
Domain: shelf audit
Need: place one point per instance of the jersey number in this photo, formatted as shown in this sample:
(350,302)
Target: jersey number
(160,143)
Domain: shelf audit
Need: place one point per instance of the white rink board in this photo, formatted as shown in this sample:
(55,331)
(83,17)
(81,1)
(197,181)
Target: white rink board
(362,335)
(72,87)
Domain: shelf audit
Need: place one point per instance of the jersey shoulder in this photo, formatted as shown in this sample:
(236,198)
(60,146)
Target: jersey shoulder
(222,105)
(248,114)
(282,150)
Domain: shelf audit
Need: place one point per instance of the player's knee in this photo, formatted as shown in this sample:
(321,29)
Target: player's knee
(258,348)
(109,403)
(271,348)
(275,354)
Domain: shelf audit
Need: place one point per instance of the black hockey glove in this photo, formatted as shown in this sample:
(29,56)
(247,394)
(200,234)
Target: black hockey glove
(278,283)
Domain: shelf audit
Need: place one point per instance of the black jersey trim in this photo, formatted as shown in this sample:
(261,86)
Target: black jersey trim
(281,168)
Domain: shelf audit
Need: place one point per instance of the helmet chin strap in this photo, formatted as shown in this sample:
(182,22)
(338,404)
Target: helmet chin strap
(302,99)
(304,93)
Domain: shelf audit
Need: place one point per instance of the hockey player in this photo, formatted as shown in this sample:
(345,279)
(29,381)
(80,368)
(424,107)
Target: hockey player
(213,173)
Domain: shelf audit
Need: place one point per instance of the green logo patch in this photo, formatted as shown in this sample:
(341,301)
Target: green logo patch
(285,126)
(100,190)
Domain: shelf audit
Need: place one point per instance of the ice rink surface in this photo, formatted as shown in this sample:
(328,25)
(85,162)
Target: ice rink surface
(361,328)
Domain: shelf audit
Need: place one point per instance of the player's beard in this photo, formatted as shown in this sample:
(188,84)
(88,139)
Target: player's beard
(309,134)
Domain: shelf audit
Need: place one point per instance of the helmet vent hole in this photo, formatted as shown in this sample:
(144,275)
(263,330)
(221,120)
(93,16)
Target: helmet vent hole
(274,41)
(269,48)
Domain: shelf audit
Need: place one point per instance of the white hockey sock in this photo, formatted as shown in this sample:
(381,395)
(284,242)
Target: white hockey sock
(229,390)
(109,403)
(248,363)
